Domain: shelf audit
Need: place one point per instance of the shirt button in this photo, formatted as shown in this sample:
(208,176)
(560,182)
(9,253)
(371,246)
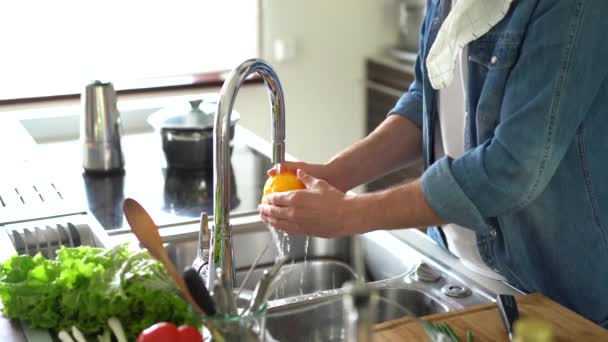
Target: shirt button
(493,233)
(494,59)
(436,21)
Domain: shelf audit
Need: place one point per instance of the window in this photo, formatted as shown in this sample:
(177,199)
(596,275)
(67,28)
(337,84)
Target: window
(51,48)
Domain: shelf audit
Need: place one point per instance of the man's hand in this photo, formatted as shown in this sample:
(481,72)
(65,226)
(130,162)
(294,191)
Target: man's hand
(322,210)
(319,210)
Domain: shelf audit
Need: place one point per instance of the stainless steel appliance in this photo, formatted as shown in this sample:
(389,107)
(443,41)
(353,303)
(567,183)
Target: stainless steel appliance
(100,129)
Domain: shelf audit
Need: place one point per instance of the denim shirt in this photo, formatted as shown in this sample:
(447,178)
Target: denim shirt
(533,182)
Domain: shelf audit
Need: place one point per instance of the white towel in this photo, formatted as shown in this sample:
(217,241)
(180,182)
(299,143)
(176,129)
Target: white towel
(467,21)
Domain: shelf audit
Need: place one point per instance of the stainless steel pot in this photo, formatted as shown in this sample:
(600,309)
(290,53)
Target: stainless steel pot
(187,134)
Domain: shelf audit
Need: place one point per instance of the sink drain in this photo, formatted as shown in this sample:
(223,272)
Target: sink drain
(456,291)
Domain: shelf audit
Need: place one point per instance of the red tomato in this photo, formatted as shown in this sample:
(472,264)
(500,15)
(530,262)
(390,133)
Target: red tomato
(159,332)
(189,334)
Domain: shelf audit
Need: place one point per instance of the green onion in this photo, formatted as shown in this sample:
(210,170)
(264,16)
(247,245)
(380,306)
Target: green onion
(447,330)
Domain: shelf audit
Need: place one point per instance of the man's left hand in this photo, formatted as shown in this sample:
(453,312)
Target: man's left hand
(319,210)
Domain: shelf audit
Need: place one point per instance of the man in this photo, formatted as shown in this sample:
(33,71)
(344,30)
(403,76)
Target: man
(529,182)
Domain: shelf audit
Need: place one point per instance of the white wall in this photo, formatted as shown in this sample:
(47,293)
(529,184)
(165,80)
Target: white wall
(323,83)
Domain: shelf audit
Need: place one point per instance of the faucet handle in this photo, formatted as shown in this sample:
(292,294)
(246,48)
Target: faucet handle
(204,244)
(203,235)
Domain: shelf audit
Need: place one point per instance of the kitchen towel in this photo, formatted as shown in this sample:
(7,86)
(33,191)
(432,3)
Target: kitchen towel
(467,21)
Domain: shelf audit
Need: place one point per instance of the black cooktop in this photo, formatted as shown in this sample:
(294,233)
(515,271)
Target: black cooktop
(170,196)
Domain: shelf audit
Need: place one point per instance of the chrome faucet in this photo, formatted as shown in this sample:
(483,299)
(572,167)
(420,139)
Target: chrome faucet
(221,253)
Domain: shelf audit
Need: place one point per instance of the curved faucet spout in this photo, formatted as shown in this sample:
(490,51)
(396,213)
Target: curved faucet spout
(221,253)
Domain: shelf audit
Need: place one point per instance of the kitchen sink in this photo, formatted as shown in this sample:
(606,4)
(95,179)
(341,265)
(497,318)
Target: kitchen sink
(323,319)
(308,303)
(248,243)
(302,278)
(395,303)
(250,239)
(326,264)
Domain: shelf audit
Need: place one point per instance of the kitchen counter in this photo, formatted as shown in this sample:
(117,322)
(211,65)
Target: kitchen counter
(171,196)
(485,324)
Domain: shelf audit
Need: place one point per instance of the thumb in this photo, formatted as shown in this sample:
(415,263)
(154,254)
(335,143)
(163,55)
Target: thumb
(285,166)
(307,179)
(272,172)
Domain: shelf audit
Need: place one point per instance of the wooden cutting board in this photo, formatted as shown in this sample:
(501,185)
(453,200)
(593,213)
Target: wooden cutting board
(484,321)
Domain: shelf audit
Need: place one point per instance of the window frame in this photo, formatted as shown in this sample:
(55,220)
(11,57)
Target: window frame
(164,84)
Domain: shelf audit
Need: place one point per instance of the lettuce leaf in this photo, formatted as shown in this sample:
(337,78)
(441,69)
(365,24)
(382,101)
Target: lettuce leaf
(85,286)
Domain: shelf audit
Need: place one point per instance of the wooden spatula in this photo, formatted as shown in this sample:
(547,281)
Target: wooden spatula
(146,232)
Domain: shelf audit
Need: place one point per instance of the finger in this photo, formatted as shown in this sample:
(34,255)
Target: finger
(274,211)
(285,166)
(291,166)
(283,199)
(265,218)
(287,226)
(272,172)
(279,199)
(307,179)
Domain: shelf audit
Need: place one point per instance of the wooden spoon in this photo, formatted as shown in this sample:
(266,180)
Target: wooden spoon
(146,232)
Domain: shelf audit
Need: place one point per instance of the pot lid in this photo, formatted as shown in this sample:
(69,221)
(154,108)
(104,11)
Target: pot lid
(196,113)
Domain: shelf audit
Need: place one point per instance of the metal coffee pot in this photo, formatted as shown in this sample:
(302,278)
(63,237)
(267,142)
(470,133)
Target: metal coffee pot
(100,129)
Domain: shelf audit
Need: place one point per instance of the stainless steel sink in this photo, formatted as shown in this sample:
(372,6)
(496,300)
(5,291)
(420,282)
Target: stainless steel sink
(250,239)
(326,264)
(313,320)
(250,242)
(329,262)
(308,306)
(398,302)
(304,277)
(322,319)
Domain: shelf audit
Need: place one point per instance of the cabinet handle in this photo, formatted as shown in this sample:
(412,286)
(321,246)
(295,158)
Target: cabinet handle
(383,89)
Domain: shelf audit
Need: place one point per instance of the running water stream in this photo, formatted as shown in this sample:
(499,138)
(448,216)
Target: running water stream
(281,241)
(282,244)
(305,261)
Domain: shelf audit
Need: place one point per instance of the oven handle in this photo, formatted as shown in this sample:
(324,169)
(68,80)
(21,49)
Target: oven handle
(383,89)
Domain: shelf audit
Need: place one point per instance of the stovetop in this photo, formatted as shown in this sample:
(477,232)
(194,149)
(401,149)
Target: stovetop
(170,196)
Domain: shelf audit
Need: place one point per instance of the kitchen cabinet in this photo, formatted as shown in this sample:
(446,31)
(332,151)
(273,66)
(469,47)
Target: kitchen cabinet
(386,80)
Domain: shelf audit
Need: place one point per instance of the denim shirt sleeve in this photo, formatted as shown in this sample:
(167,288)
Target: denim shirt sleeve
(410,103)
(559,71)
